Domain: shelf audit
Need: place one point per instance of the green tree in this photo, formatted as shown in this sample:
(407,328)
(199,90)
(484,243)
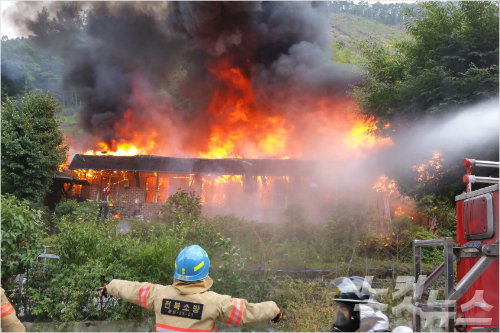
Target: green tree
(449,61)
(26,66)
(33,146)
(22,233)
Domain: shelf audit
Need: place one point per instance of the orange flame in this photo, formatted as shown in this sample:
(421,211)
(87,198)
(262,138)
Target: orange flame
(399,211)
(384,184)
(239,127)
(423,170)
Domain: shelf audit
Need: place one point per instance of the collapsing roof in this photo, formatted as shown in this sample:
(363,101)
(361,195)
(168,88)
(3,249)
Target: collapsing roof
(231,166)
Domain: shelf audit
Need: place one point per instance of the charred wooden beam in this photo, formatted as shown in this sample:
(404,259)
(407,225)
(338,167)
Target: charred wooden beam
(202,166)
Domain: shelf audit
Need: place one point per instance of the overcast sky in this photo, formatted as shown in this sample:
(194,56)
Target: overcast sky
(6,28)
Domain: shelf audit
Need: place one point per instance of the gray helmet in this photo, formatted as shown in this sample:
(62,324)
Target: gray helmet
(353,289)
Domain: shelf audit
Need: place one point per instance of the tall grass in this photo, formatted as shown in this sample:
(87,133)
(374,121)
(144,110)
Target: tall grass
(307,306)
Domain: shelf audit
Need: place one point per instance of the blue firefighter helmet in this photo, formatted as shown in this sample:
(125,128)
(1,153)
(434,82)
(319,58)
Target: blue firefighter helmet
(192,264)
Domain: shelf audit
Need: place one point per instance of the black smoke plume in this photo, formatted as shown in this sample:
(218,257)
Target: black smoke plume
(116,54)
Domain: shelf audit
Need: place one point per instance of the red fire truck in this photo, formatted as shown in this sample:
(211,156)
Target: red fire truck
(471,292)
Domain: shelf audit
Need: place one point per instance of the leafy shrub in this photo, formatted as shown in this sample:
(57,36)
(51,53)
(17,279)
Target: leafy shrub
(68,207)
(182,205)
(441,215)
(32,145)
(226,270)
(92,253)
(397,243)
(22,234)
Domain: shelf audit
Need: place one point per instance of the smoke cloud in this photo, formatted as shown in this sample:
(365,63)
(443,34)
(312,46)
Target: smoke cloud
(117,53)
(149,71)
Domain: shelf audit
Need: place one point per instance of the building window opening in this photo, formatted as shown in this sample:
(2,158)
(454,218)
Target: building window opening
(163,183)
(73,192)
(279,191)
(150,189)
(113,183)
(206,191)
(218,191)
(213,190)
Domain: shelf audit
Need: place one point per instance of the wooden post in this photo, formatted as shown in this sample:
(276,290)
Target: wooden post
(156,188)
(392,269)
(336,265)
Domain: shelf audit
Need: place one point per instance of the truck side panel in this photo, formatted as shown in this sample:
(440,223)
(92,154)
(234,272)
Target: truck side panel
(481,301)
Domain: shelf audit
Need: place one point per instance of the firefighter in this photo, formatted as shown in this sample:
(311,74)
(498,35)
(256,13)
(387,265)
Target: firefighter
(10,322)
(356,307)
(187,305)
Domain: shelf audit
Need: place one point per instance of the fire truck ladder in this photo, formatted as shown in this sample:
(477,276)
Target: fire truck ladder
(487,252)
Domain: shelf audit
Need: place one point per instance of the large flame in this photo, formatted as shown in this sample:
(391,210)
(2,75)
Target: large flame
(237,128)
(240,128)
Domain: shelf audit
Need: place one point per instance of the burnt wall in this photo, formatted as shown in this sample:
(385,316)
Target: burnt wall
(251,197)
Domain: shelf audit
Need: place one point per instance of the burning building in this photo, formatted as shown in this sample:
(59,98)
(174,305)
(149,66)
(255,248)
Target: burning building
(258,189)
(243,97)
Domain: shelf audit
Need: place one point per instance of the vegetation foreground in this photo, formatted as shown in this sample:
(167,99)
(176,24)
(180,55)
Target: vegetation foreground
(246,259)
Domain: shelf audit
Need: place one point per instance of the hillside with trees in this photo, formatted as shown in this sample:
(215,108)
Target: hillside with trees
(350,31)
(386,13)
(448,63)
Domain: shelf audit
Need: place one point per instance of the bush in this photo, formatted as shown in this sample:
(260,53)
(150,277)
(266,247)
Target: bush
(442,216)
(397,243)
(68,207)
(22,234)
(92,253)
(182,205)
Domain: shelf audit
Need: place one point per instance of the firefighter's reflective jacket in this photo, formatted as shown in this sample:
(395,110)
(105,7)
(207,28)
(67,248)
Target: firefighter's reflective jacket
(10,322)
(190,306)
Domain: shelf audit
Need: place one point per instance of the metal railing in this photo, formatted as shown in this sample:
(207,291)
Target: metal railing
(424,283)
(469,178)
(488,254)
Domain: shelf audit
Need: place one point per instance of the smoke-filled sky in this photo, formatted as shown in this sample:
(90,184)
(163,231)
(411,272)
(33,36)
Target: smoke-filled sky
(200,76)
(182,68)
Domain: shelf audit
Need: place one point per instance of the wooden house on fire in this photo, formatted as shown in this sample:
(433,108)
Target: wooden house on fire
(257,189)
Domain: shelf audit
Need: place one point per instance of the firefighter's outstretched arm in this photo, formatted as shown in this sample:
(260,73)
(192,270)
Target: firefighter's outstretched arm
(140,293)
(237,311)
(10,322)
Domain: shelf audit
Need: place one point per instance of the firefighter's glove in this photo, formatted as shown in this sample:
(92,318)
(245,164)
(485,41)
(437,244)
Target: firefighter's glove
(278,316)
(103,291)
